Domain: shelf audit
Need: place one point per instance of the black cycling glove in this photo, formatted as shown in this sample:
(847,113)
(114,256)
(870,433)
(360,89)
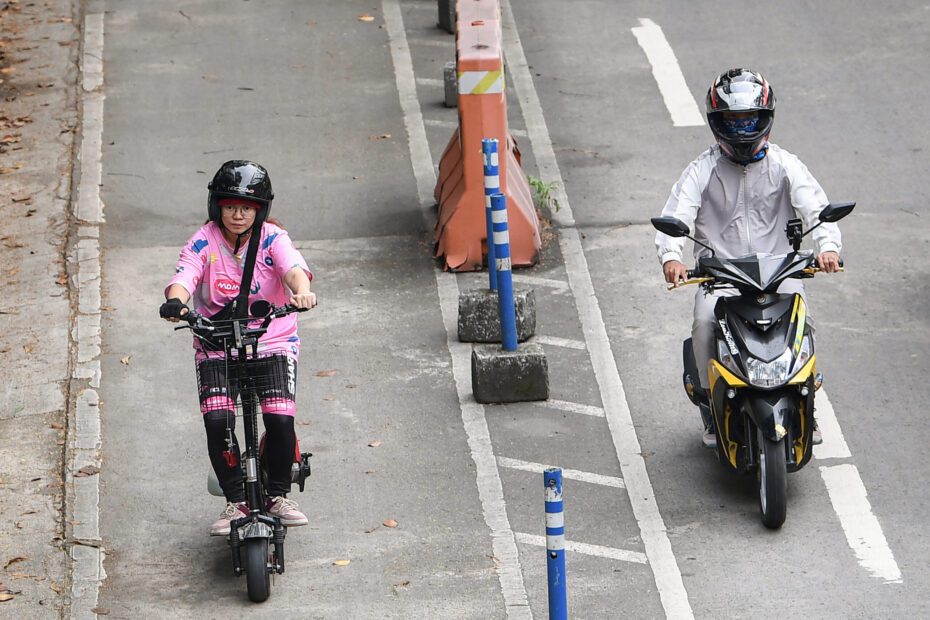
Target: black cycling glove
(171,309)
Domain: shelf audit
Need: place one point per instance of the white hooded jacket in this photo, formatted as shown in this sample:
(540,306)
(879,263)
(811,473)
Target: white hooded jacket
(740,210)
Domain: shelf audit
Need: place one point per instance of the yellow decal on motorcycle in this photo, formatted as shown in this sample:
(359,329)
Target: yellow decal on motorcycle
(799,441)
(715,370)
(800,310)
(809,368)
(732,446)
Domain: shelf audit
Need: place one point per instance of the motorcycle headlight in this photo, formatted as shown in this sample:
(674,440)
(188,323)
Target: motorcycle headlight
(769,374)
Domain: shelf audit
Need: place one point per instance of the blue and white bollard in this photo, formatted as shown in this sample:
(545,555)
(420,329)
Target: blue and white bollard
(508,314)
(492,185)
(555,544)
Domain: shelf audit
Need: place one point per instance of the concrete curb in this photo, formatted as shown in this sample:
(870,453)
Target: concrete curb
(82,479)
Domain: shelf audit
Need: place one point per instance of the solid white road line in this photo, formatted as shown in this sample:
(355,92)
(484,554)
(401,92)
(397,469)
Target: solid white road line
(432,122)
(430,82)
(863,532)
(490,489)
(834,444)
(668,580)
(665,69)
(558,285)
(570,474)
(564,405)
(560,342)
(585,549)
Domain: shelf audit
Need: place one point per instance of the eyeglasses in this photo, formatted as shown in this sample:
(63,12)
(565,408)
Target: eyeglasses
(240,209)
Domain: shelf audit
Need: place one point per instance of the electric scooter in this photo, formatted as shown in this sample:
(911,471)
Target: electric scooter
(256,540)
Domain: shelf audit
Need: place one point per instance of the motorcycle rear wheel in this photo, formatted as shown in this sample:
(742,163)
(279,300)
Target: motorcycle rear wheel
(772,477)
(257,576)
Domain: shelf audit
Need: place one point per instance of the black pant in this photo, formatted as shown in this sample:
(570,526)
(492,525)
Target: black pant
(275,381)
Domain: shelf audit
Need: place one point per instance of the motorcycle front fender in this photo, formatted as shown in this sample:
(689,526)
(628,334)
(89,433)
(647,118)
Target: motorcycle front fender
(772,412)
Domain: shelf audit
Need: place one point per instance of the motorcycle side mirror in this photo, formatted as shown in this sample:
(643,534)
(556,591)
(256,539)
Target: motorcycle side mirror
(260,308)
(674,227)
(834,213)
(671,226)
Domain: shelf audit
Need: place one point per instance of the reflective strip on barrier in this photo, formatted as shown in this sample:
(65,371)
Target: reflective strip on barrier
(481,82)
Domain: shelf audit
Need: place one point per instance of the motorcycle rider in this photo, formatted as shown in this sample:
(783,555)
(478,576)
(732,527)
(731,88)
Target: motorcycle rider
(209,270)
(737,197)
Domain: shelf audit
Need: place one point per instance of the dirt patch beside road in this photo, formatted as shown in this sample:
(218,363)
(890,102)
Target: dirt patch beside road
(38,56)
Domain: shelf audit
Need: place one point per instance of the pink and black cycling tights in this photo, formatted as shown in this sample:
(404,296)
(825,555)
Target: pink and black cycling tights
(217,406)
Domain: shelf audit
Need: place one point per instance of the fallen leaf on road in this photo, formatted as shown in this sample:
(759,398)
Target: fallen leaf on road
(375,443)
(125,360)
(87,470)
(326,373)
(372,529)
(5,597)
(384,136)
(101,611)
(365,17)
(10,139)
(22,198)
(341,562)
(11,561)
(329,397)
(56,426)
(402,584)
(390,523)
(54,587)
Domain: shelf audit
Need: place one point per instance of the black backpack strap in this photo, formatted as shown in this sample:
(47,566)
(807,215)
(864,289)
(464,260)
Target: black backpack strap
(241,303)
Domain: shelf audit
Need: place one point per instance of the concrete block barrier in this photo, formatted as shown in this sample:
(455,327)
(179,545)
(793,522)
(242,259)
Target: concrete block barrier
(479,316)
(499,376)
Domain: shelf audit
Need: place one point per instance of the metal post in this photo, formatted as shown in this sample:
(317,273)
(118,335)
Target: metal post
(555,544)
(505,303)
(492,185)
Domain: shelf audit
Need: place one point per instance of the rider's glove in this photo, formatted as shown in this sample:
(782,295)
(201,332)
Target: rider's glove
(171,309)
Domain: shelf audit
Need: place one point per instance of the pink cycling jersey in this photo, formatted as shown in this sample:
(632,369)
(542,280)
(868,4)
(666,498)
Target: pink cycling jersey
(211,273)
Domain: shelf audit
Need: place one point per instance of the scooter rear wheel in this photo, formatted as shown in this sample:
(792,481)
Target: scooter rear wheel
(257,576)
(773,483)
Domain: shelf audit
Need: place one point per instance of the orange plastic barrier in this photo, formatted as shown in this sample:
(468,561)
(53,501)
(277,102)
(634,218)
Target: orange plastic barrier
(461,231)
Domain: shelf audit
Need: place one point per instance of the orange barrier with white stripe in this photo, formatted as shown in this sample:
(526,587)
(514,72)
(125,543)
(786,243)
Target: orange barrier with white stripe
(461,232)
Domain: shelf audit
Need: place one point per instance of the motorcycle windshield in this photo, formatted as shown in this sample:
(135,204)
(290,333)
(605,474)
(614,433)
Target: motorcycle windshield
(756,272)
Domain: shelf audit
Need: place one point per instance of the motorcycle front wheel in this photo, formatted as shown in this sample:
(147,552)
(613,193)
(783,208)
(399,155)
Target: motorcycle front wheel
(257,576)
(773,484)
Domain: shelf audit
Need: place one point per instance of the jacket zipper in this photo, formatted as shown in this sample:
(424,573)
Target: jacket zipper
(746,211)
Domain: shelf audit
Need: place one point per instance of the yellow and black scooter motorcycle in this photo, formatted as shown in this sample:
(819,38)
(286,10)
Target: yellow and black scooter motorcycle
(763,375)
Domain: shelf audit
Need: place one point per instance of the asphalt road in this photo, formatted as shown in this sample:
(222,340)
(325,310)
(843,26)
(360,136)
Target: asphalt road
(311,91)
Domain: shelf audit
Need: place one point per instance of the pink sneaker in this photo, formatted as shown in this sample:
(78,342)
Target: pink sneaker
(232,512)
(286,510)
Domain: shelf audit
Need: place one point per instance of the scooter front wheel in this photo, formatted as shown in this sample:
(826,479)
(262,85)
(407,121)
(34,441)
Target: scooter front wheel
(773,482)
(257,575)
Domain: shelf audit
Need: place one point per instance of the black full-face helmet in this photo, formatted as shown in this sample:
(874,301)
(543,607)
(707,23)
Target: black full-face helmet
(740,111)
(240,179)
